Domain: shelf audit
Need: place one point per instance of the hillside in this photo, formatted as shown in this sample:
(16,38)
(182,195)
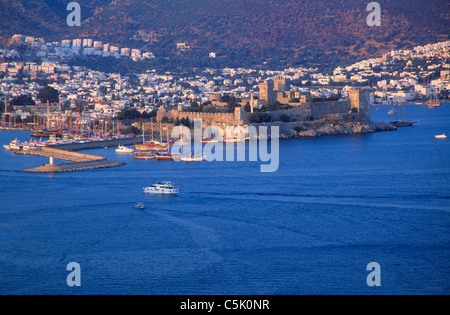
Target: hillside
(241,32)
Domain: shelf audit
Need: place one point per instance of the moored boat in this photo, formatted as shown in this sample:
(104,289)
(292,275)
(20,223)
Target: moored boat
(13,146)
(123,149)
(163,156)
(402,123)
(144,156)
(192,158)
(151,146)
(210,140)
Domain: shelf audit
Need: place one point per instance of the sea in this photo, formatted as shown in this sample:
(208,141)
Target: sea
(335,205)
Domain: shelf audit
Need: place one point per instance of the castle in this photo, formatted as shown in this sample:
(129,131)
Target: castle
(357,107)
(280,90)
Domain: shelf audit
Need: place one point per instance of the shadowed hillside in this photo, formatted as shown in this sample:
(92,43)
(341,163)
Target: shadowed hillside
(241,32)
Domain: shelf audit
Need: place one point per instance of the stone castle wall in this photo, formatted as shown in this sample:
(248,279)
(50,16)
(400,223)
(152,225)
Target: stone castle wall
(321,109)
(299,112)
(239,117)
(358,99)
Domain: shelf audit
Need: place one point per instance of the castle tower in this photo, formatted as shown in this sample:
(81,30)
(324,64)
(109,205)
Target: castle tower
(360,99)
(281,84)
(266,92)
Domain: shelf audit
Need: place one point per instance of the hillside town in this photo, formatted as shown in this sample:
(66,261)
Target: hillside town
(30,65)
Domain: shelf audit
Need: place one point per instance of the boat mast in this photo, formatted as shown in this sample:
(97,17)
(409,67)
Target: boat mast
(401,112)
(6,107)
(406,110)
(152,128)
(48,115)
(396,119)
(167,135)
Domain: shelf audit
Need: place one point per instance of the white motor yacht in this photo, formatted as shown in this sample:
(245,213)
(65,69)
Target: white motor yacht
(13,146)
(122,149)
(163,188)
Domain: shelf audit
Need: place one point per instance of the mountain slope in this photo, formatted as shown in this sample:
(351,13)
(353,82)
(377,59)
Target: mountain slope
(314,32)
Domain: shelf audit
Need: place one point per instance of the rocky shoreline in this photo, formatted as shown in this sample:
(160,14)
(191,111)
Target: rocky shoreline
(336,128)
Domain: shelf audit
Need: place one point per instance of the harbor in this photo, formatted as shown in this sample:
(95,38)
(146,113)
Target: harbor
(335,200)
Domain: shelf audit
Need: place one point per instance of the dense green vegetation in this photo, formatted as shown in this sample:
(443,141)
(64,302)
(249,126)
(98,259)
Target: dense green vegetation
(22,100)
(48,94)
(132,113)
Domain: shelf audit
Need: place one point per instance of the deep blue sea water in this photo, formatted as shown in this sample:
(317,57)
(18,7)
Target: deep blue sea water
(335,205)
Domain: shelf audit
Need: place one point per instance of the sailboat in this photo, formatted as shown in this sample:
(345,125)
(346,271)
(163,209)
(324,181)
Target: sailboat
(192,158)
(152,145)
(402,123)
(433,102)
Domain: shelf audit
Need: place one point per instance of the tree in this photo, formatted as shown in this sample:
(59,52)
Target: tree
(210,109)
(22,100)
(285,118)
(48,94)
(2,107)
(194,106)
(128,113)
(444,94)
(259,118)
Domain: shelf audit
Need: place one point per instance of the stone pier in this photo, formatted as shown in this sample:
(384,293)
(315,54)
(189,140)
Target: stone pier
(79,161)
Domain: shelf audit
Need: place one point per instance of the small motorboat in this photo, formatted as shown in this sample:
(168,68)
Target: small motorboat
(210,140)
(163,156)
(123,149)
(443,136)
(192,158)
(140,205)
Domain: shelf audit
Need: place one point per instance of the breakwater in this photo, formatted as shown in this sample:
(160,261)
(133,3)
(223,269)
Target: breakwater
(77,166)
(79,161)
(60,154)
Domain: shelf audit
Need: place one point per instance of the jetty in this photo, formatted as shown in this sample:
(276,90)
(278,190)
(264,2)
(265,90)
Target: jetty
(78,161)
(78,166)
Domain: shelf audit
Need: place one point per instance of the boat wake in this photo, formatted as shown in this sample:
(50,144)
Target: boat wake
(383,201)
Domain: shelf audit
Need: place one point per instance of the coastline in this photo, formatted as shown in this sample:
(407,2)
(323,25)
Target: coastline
(335,128)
